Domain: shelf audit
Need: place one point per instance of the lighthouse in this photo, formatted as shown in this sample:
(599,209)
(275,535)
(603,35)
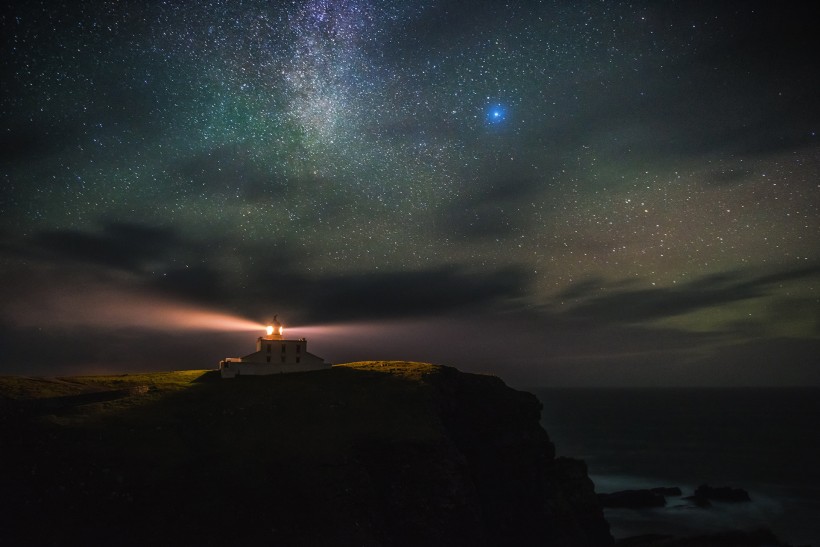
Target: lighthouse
(274,354)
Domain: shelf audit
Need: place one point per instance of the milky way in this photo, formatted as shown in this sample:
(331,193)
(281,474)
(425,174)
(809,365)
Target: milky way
(603,182)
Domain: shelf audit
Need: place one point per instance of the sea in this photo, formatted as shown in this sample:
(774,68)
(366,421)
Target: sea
(766,441)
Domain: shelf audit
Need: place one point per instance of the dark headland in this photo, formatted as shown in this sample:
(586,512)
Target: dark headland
(366,454)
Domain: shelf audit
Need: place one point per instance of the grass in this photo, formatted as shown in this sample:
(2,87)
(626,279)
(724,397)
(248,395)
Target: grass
(72,392)
(21,388)
(338,403)
(409,370)
(178,379)
(78,400)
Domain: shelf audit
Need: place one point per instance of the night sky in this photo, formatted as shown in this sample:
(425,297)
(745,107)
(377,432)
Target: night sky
(560,193)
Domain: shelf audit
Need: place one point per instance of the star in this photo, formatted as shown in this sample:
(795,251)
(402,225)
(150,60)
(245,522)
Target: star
(496,114)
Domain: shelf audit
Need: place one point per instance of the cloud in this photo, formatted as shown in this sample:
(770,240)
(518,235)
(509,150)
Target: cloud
(452,315)
(126,275)
(648,304)
(374,295)
(273,279)
(97,278)
(415,293)
(581,289)
(71,298)
(120,245)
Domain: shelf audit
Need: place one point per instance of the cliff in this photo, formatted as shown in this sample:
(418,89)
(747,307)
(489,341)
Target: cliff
(373,453)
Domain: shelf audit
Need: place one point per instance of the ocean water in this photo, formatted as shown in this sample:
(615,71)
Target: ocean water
(766,441)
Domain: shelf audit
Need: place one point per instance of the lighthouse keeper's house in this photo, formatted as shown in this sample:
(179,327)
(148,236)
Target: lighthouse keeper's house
(274,355)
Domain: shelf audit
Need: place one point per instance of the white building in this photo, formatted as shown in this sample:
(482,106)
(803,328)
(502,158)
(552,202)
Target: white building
(273,355)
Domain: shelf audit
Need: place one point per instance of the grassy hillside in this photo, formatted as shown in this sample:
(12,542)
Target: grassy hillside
(147,397)
(368,453)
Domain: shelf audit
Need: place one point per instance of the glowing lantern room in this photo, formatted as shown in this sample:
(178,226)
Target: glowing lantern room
(274,330)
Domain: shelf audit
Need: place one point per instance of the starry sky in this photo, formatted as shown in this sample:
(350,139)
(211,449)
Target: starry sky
(560,193)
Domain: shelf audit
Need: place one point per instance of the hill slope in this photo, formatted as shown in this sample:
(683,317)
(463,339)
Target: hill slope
(371,453)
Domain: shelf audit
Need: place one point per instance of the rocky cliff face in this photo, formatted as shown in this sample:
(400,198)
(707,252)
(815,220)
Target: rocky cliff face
(526,496)
(376,453)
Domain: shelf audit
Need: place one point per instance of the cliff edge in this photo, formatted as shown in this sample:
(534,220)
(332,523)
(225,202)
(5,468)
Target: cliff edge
(371,453)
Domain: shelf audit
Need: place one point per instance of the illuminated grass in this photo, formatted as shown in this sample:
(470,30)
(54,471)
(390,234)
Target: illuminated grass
(317,408)
(160,380)
(22,388)
(324,411)
(410,370)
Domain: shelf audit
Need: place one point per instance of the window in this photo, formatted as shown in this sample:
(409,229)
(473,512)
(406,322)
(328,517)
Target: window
(283,358)
(268,358)
(297,359)
(283,348)
(298,348)
(268,349)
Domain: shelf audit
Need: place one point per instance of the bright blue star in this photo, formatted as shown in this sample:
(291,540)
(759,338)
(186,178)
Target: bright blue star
(496,114)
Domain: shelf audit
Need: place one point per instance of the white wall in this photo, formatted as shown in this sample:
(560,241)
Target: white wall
(232,367)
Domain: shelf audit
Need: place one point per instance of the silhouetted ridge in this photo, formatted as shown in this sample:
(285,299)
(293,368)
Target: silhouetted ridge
(371,453)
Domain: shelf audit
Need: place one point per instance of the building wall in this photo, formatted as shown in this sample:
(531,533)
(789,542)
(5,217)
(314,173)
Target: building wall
(232,369)
(286,352)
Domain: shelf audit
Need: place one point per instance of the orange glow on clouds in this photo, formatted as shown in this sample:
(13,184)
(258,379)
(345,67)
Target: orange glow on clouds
(106,307)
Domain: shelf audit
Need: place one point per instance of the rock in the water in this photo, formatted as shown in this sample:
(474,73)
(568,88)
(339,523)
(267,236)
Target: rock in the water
(722,493)
(667,491)
(634,499)
(699,501)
